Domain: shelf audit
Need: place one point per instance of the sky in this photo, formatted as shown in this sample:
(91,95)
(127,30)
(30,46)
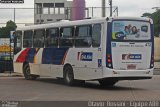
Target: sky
(126,8)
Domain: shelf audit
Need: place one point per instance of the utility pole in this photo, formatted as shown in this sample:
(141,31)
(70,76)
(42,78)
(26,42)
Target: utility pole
(103,8)
(14,17)
(110,3)
(117,11)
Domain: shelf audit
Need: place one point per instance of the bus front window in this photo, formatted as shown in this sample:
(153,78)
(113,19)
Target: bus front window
(17,42)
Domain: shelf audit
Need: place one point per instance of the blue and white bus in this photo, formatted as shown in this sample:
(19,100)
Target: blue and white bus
(106,49)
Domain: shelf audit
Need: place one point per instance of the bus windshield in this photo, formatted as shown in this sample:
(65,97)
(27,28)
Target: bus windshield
(131,30)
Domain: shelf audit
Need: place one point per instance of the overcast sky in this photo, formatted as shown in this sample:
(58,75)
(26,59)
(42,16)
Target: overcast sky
(126,8)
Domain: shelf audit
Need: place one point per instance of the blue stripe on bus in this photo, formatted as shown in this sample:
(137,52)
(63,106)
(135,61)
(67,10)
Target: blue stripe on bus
(30,55)
(53,55)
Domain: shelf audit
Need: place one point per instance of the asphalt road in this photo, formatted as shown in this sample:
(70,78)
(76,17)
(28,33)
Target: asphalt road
(47,89)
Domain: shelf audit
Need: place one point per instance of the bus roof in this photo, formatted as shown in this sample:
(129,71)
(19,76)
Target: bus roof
(79,22)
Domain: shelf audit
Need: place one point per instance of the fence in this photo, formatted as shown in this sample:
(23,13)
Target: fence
(25,16)
(6,55)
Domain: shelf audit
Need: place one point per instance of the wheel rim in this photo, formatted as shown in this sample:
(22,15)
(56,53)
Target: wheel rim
(27,71)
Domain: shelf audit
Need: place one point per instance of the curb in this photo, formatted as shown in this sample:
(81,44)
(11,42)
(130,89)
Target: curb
(156,72)
(10,75)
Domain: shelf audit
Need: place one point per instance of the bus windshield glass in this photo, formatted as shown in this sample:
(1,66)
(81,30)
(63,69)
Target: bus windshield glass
(131,30)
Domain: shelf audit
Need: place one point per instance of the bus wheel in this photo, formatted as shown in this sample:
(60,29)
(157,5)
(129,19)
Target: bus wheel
(26,72)
(69,76)
(107,82)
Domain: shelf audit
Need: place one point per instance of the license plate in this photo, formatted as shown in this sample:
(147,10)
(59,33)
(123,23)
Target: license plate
(131,66)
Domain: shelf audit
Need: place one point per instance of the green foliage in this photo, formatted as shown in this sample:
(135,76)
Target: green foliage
(156,19)
(5,31)
(147,15)
(11,25)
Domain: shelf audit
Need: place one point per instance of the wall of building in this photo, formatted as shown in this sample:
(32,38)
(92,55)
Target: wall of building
(157,52)
(48,11)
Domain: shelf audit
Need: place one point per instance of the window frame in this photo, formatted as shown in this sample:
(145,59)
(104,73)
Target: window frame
(21,38)
(43,41)
(100,34)
(28,39)
(46,35)
(16,48)
(67,37)
(76,36)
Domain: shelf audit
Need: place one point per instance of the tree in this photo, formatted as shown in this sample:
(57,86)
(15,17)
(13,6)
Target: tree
(5,31)
(11,25)
(147,15)
(156,19)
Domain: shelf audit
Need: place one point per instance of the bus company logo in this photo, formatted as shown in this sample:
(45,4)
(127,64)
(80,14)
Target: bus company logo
(131,56)
(113,44)
(85,56)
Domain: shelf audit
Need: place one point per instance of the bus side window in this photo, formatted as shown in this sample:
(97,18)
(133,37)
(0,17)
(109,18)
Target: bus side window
(96,35)
(83,36)
(27,39)
(52,37)
(18,42)
(38,38)
(66,37)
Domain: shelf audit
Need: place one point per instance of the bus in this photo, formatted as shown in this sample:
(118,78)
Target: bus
(107,50)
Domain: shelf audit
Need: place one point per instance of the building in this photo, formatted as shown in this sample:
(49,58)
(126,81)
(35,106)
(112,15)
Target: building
(49,11)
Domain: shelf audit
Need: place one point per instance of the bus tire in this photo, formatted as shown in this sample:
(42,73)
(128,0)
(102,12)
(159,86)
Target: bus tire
(68,75)
(107,82)
(27,73)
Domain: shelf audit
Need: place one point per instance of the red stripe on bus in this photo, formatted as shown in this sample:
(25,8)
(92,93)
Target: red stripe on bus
(64,57)
(23,55)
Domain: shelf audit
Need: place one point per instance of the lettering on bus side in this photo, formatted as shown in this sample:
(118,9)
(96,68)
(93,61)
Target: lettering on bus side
(85,56)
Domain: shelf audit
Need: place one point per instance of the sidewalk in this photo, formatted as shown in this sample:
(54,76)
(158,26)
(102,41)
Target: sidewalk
(7,74)
(157,71)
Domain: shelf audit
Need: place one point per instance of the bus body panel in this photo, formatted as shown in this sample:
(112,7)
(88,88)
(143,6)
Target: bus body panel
(129,58)
(86,63)
(135,49)
(131,55)
(127,73)
(18,67)
(35,68)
